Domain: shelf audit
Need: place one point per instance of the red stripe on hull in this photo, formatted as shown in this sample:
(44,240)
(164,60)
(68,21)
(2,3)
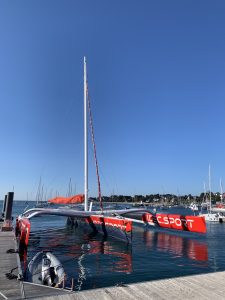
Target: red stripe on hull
(122,224)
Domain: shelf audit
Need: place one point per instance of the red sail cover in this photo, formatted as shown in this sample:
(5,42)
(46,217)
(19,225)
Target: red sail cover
(67,200)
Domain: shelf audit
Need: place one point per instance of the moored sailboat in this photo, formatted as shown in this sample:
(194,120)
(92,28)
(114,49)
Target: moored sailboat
(211,216)
(219,208)
(115,223)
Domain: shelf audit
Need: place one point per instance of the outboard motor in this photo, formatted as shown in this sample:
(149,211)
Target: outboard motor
(48,273)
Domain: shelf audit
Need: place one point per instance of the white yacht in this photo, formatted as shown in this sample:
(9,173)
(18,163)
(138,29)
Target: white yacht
(211,216)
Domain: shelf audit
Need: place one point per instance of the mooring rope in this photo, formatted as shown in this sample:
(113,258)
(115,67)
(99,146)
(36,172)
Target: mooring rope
(10,275)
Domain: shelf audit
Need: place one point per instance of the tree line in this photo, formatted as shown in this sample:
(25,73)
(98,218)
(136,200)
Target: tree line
(170,199)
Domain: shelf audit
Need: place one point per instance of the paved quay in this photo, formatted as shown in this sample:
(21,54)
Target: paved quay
(9,289)
(204,286)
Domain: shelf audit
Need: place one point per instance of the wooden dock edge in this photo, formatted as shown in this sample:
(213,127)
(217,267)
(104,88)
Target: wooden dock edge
(20,273)
(195,287)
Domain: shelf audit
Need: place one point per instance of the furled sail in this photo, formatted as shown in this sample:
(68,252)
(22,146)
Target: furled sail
(67,200)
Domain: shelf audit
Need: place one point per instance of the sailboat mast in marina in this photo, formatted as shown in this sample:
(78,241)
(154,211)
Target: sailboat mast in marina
(210,193)
(221,191)
(205,194)
(85,140)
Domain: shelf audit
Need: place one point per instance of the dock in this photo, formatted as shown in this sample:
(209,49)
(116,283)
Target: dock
(195,287)
(9,288)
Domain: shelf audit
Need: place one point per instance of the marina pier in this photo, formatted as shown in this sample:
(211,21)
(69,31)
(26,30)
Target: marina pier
(9,288)
(204,286)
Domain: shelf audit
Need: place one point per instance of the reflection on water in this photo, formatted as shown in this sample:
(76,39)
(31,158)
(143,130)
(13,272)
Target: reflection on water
(177,245)
(95,261)
(74,249)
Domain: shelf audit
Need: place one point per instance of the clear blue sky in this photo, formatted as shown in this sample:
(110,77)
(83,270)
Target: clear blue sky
(157,85)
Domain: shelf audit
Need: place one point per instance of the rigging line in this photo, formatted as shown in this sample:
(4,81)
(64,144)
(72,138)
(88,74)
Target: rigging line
(94,148)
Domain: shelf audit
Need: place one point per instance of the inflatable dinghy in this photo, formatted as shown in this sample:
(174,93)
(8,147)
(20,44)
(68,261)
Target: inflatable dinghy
(44,268)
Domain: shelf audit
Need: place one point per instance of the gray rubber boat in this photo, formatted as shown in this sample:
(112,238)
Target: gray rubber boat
(45,268)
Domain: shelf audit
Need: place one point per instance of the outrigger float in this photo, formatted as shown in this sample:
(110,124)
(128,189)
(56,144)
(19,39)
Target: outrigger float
(115,223)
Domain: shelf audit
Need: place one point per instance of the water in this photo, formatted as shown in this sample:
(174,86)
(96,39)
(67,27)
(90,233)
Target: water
(96,262)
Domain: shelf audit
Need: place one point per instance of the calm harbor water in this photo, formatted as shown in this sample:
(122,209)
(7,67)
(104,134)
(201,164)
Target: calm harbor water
(154,253)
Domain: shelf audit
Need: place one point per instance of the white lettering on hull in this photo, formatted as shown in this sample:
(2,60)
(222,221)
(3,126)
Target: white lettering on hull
(98,222)
(177,221)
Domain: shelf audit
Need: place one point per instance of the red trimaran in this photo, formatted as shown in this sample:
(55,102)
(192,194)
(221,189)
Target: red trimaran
(116,223)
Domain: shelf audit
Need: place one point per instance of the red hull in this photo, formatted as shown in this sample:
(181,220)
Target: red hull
(178,222)
(23,231)
(109,226)
(122,224)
